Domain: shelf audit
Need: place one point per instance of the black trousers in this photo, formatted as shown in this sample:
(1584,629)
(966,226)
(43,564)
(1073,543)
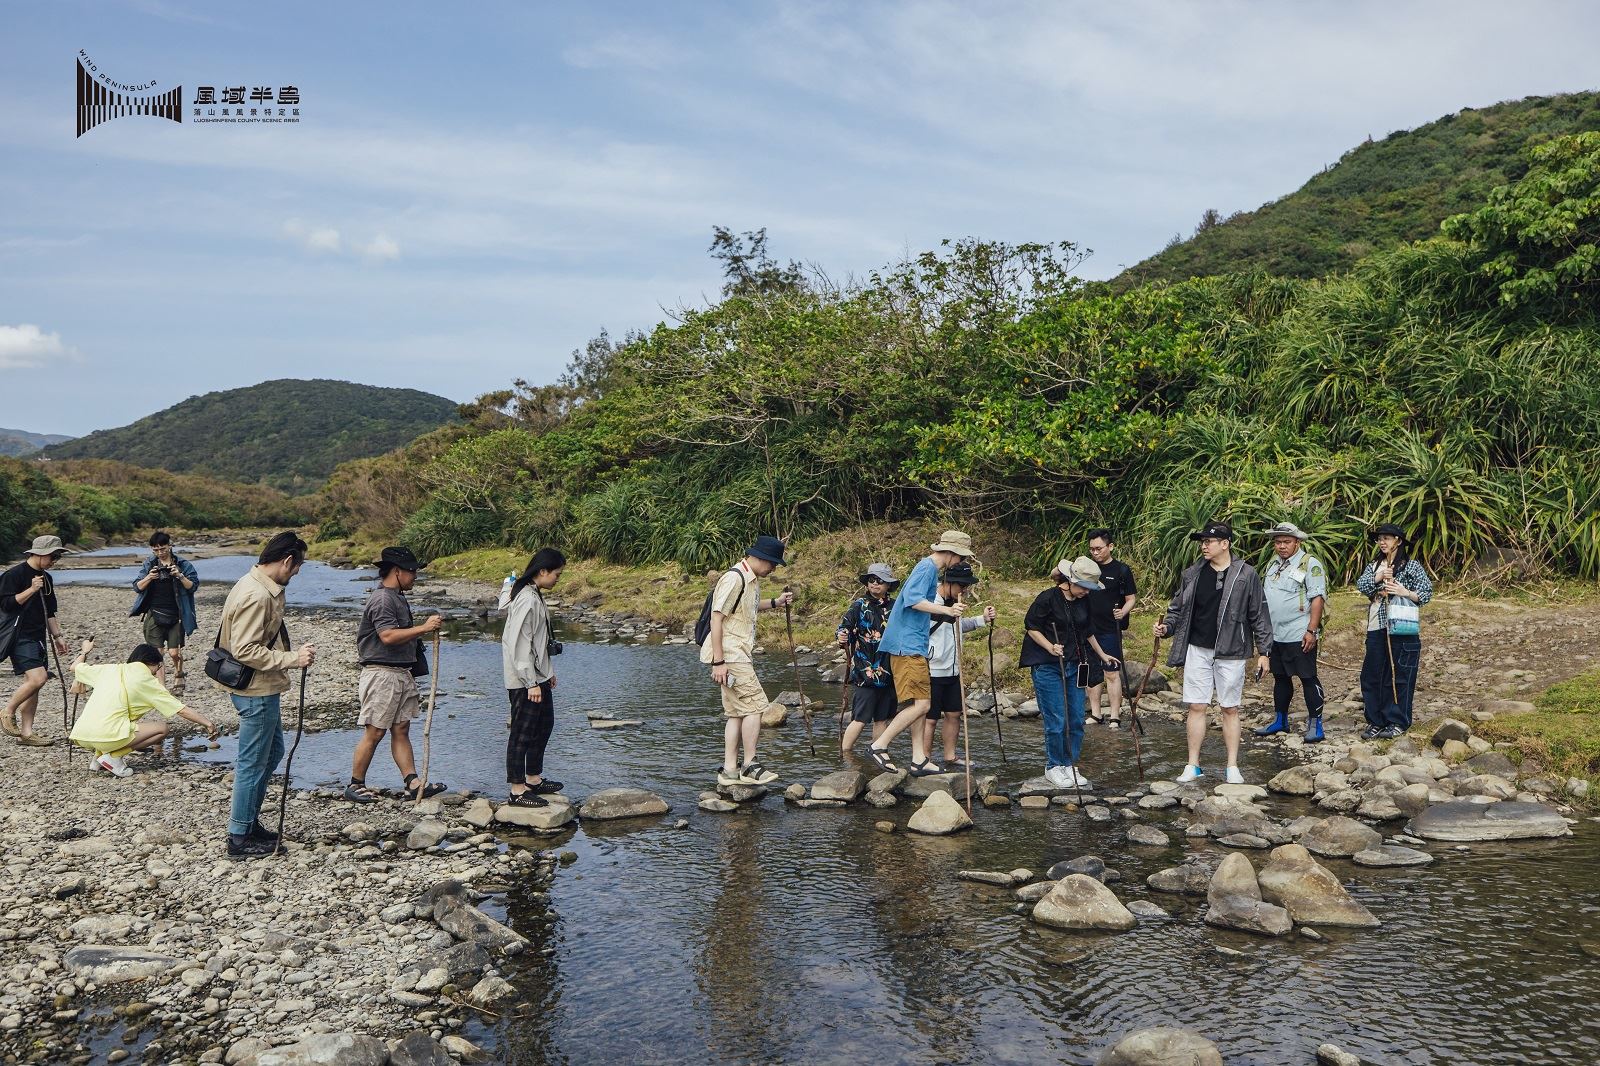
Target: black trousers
(1387,694)
(531,724)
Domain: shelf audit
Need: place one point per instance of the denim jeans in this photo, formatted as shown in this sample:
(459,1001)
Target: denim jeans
(260,748)
(1378,690)
(1063,726)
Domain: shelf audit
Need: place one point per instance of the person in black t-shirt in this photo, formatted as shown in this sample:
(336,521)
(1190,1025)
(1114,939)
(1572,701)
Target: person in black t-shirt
(1108,619)
(27,621)
(166,587)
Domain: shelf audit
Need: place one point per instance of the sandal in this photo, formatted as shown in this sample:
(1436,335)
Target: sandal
(526,799)
(925,768)
(880,758)
(358,792)
(427,793)
(756,774)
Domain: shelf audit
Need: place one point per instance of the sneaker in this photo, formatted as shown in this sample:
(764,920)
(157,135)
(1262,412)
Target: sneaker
(756,774)
(1057,776)
(526,799)
(242,847)
(113,765)
(1077,779)
(1234,776)
(1370,732)
(1389,733)
(262,833)
(1191,772)
(726,779)
(547,787)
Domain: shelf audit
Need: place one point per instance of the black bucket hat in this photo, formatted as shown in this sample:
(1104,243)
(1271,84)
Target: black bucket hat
(1392,530)
(768,548)
(399,557)
(959,574)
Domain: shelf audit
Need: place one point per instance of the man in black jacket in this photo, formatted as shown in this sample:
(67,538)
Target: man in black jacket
(27,621)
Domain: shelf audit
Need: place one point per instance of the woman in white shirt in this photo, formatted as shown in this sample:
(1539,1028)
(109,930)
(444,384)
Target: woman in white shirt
(526,648)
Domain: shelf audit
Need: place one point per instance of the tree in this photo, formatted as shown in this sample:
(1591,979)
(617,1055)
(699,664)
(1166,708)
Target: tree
(1211,217)
(747,266)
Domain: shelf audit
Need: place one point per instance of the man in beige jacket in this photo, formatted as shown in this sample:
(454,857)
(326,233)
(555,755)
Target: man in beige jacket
(253,632)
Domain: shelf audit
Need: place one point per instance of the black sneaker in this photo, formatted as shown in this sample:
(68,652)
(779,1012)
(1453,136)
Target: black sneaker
(547,787)
(526,799)
(261,832)
(1390,732)
(243,847)
(1370,732)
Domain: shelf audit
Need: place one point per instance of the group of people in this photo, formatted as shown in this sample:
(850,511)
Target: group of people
(902,643)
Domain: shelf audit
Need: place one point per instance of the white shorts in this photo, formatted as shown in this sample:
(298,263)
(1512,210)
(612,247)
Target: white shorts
(1203,672)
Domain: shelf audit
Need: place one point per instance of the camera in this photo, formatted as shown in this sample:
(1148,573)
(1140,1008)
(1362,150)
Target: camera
(553,646)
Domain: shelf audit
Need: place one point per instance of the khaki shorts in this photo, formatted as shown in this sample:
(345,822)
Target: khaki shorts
(388,696)
(911,680)
(743,695)
(159,636)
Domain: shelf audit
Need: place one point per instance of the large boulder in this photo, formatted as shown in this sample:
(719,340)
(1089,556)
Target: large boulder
(954,784)
(1233,901)
(1340,838)
(1078,901)
(466,922)
(1190,879)
(1493,762)
(1161,1047)
(1309,891)
(846,785)
(106,964)
(550,818)
(1451,729)
(328,1049)
(1466,821)
(1295,781)
(1133,673)
(1222,815)
(940,814)
(1391,855)
(611,803)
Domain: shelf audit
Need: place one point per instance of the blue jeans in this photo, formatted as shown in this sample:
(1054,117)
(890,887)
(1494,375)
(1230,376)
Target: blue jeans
(260,748)
(1380,688)
(1061,743)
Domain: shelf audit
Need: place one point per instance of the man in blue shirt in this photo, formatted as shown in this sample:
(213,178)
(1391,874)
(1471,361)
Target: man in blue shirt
(905,641)
(1296,587)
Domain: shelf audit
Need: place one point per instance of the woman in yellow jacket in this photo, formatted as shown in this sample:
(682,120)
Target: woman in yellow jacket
(110,725)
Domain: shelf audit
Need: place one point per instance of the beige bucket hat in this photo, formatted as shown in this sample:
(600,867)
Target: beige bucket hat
(953,540)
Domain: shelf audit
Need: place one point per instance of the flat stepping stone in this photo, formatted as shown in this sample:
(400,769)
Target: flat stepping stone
(1158,803)
(743,793)
(1244,792)
(1391,855)
(613,723)
(1149,837)
(1466,821)
(613,803)
(718,805)
(1244,840)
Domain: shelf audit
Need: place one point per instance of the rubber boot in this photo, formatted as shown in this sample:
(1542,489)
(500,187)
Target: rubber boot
(1279,723)
(1314,729)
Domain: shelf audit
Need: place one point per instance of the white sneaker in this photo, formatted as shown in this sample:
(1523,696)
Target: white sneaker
(1234,776)
(1057,776)
(114,765)
(1191,772)
(1078,779)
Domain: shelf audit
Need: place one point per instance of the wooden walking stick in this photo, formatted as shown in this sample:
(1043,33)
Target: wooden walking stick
(299,731)
(63,680)
(794,660)
(994,698)
(427,722)
(961,687)
(1133,707)
(78,689)
(1066,710)
(844,683)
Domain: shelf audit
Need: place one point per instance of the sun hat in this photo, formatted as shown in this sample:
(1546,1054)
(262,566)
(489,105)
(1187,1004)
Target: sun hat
(1288,529)
(1213,530)
(48,545)
(400,557)
(953,540)
(767,548)
(1392,530)
(958,574)
(1083,572)
(879,572)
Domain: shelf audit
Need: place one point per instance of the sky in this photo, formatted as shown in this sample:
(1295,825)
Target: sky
(473,191)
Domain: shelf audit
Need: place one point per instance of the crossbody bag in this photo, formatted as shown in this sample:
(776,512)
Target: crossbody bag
(229,672)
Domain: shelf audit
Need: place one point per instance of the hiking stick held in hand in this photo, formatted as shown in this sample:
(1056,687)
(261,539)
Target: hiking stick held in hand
(994,698)
(427,722)
(1066,709)
(844,697)
(61,678)
(794,660)
(1133,707)
(299,730)
(78,689)
(961,688)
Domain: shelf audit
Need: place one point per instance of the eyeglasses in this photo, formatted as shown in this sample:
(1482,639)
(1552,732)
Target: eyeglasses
(1211,540)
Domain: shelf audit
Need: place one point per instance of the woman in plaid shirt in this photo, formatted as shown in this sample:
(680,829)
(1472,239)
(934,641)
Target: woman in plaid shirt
(1387,688)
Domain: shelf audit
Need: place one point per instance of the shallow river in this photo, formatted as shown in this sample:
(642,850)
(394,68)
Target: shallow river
(785,935)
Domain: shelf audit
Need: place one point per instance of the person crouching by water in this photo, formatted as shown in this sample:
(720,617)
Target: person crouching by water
(526,651)
(944,672)
(1058,635)
(389,645)
(166,585)
(729,649)
(871,685)
(1396,586)
(112,723)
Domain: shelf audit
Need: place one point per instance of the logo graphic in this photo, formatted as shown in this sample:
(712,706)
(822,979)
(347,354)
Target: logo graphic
(100,99)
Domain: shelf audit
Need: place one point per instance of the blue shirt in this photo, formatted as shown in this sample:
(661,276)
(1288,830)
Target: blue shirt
(1291,585)
(907,631)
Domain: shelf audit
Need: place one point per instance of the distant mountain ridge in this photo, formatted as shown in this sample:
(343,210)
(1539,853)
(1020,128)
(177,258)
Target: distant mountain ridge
(288,434)
(1378,195)
(22,442)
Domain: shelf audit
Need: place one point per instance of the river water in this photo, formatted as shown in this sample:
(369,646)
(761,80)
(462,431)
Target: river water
(787,935)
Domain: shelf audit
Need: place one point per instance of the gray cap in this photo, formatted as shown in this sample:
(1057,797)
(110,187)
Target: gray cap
(1288,529)
(882,572)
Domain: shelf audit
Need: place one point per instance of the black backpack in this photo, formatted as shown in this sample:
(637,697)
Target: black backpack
(702,625)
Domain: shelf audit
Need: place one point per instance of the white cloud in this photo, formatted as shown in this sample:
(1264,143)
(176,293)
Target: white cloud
(28,345)
(380,248)
(313,238)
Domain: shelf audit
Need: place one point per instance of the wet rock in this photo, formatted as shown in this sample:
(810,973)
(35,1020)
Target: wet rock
(1493,762)
(425,834)
(614,723)
(748,793)
(887,782)
(718,805)
(1391,855)
(418,1049)
(1222,815)
(884,827)
(954,784)
(1143,908)
(1450,729)
(1035,892)
(1487,785)
(997,800)
(1096,813)
(986,877)
(1339,838)
(466,922)
(1190,879)
(1240,792)
(461,1048)
(1034,803)
(489,991)
(613,803)
(328,1049)
(844,785)
(788,698)
(1148,836)
(1295,781)
(1233,901)
(1309,891)
(1081,902)
(940,814)
(1161,1047)
(480,812)
(550,818)
(1088,865)
(775,715)
(1333,1055)
(1244,840)
(1466,821)
(105,965)
(809,803)
(883,800)
(1157,803)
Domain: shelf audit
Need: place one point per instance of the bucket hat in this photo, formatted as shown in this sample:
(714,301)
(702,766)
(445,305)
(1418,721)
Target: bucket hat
(400,557)
(48,545)
(1392,530)
(1288,529)
(768,548)
(959,574)
(953,540)
(879,572)
(1083,572)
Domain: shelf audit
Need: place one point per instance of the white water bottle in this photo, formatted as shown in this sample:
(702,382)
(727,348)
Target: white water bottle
(505,592)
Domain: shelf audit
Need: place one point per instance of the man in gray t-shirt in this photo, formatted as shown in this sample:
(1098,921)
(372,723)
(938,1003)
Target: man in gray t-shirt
(390,648)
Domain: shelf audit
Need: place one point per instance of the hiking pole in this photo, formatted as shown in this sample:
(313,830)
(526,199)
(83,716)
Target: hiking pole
(844,696)
(63,680)
(427,723)
(299,730)
(995,698)
(77,691)
(961,688)
(1066,709)
(794,660)
(1133,706)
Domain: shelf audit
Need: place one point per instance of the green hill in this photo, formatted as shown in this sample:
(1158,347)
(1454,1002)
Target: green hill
(21,442)
(288,434)
(1379,195)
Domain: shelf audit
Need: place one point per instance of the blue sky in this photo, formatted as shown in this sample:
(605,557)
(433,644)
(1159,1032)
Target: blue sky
(475,190)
